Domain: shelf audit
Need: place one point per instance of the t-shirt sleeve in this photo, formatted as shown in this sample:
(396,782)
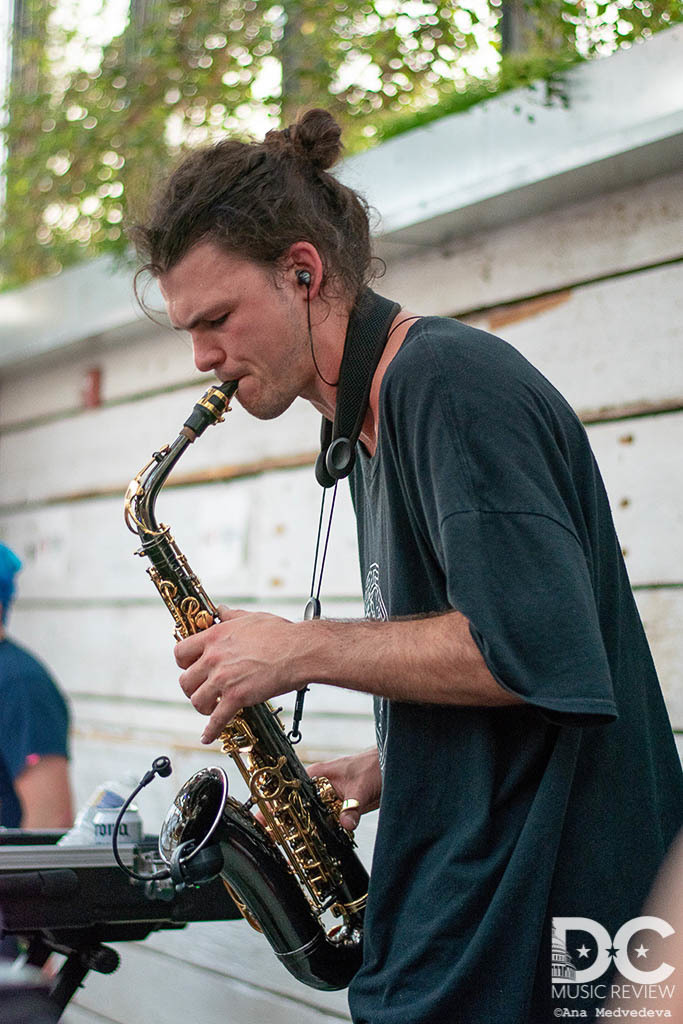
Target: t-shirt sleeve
(502,479)
(523,582)
(34,720)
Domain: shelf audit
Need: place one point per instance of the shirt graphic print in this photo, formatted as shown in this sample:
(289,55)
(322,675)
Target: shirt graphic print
(375,608)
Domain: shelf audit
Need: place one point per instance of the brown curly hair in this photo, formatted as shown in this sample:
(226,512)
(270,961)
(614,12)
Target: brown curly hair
(256,199)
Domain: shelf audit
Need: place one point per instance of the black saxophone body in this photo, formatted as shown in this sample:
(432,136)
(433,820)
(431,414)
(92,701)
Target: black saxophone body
(297,878)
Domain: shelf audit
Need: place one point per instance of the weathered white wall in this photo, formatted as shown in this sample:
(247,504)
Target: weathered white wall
(590,290)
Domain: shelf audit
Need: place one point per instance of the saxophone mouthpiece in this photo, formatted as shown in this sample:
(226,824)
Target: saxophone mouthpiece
(210,408)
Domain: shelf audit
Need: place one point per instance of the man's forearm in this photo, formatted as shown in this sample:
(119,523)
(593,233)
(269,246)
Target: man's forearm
(249,657)
(432,660)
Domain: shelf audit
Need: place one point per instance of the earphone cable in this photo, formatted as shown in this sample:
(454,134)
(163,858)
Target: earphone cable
(310,339)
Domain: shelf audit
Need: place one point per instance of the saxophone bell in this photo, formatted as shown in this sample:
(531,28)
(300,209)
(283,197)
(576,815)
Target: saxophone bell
(207,832)
(191,822)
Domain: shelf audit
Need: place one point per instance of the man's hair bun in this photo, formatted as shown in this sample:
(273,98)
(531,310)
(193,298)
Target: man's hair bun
(315,137)
(256,200)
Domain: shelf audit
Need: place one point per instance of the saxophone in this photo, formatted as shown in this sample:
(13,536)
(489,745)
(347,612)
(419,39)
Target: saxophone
(296,877)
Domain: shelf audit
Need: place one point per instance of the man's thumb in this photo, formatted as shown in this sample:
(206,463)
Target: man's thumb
(349,819)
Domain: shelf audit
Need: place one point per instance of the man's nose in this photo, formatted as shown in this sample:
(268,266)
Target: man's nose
(207,355)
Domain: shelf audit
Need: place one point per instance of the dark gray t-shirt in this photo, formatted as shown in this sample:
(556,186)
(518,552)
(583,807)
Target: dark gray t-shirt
(484,496)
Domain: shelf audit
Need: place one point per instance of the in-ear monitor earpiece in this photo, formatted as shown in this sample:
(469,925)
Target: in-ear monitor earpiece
(303,277)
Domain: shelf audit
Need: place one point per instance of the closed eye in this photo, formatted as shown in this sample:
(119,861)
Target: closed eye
(218,321)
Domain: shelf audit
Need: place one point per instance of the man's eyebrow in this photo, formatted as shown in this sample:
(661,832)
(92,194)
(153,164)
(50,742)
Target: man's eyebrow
(206,315)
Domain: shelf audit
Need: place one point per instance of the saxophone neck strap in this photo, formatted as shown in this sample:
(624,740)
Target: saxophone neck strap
(366,337)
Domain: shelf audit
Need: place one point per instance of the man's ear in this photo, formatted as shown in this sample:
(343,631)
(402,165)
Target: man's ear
(303,256)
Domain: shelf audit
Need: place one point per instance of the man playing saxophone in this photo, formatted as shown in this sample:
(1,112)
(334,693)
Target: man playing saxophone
(516,701)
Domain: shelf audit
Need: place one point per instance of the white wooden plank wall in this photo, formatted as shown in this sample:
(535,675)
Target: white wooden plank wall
(591,293)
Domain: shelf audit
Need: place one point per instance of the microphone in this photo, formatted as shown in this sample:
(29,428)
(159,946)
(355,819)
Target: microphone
(189,866)
(161,766)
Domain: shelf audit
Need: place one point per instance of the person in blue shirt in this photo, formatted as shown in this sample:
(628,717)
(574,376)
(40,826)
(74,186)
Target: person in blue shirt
(34,725)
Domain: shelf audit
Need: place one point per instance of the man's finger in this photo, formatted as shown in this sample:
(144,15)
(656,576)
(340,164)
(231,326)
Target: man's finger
(225,613)
(190,681)
(187,651)
(218,720)
(204,699)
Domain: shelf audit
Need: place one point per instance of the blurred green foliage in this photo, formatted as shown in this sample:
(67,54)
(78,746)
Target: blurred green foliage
(85,144)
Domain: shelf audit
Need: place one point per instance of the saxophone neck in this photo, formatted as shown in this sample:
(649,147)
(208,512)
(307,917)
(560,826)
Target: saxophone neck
(144,488)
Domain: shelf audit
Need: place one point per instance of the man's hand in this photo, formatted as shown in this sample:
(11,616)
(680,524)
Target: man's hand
(245,659)
(356,777)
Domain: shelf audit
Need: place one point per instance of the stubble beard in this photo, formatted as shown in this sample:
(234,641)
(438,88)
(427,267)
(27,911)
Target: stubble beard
(265,404)
(271,396)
